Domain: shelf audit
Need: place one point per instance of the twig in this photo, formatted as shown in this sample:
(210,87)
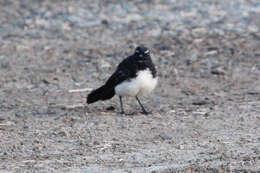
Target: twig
(80,90)
(63,106)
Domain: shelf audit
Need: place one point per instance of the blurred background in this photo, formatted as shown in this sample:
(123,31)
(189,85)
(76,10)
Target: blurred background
(206,106)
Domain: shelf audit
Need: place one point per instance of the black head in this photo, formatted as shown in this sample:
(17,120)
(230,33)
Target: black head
(142,51)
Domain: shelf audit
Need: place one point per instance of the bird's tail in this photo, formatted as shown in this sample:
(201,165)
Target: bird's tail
(102,93)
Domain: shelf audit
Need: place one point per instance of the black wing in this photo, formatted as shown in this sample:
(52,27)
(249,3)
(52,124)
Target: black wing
(129,68)
(123,72)
(107,91)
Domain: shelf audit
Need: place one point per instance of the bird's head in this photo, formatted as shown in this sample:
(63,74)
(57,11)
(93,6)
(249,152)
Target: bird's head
(142,51)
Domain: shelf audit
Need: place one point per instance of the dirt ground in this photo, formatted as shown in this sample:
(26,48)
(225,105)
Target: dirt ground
(205,109)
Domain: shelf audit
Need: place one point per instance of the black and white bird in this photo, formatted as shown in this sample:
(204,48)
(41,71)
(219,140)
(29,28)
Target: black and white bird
(135,76)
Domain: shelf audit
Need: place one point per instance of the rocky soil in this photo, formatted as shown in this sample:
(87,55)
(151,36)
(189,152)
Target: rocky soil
(205,109)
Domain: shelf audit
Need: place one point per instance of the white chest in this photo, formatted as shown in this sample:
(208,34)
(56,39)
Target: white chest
(143,84)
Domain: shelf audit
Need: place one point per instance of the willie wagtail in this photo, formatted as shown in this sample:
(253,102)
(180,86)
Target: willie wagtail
(134,76)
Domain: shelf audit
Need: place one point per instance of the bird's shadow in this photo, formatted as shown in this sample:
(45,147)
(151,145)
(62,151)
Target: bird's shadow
(126,113)
(111,109)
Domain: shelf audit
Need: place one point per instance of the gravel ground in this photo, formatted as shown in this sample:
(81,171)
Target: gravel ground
(206,107)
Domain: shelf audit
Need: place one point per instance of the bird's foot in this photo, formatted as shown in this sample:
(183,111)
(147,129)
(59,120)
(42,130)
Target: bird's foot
(127,113)
(146,112)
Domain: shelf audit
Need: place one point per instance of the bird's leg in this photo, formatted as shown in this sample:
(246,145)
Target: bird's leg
(144,111)
(121,104)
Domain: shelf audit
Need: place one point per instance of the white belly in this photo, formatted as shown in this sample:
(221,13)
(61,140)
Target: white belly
(143,84)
